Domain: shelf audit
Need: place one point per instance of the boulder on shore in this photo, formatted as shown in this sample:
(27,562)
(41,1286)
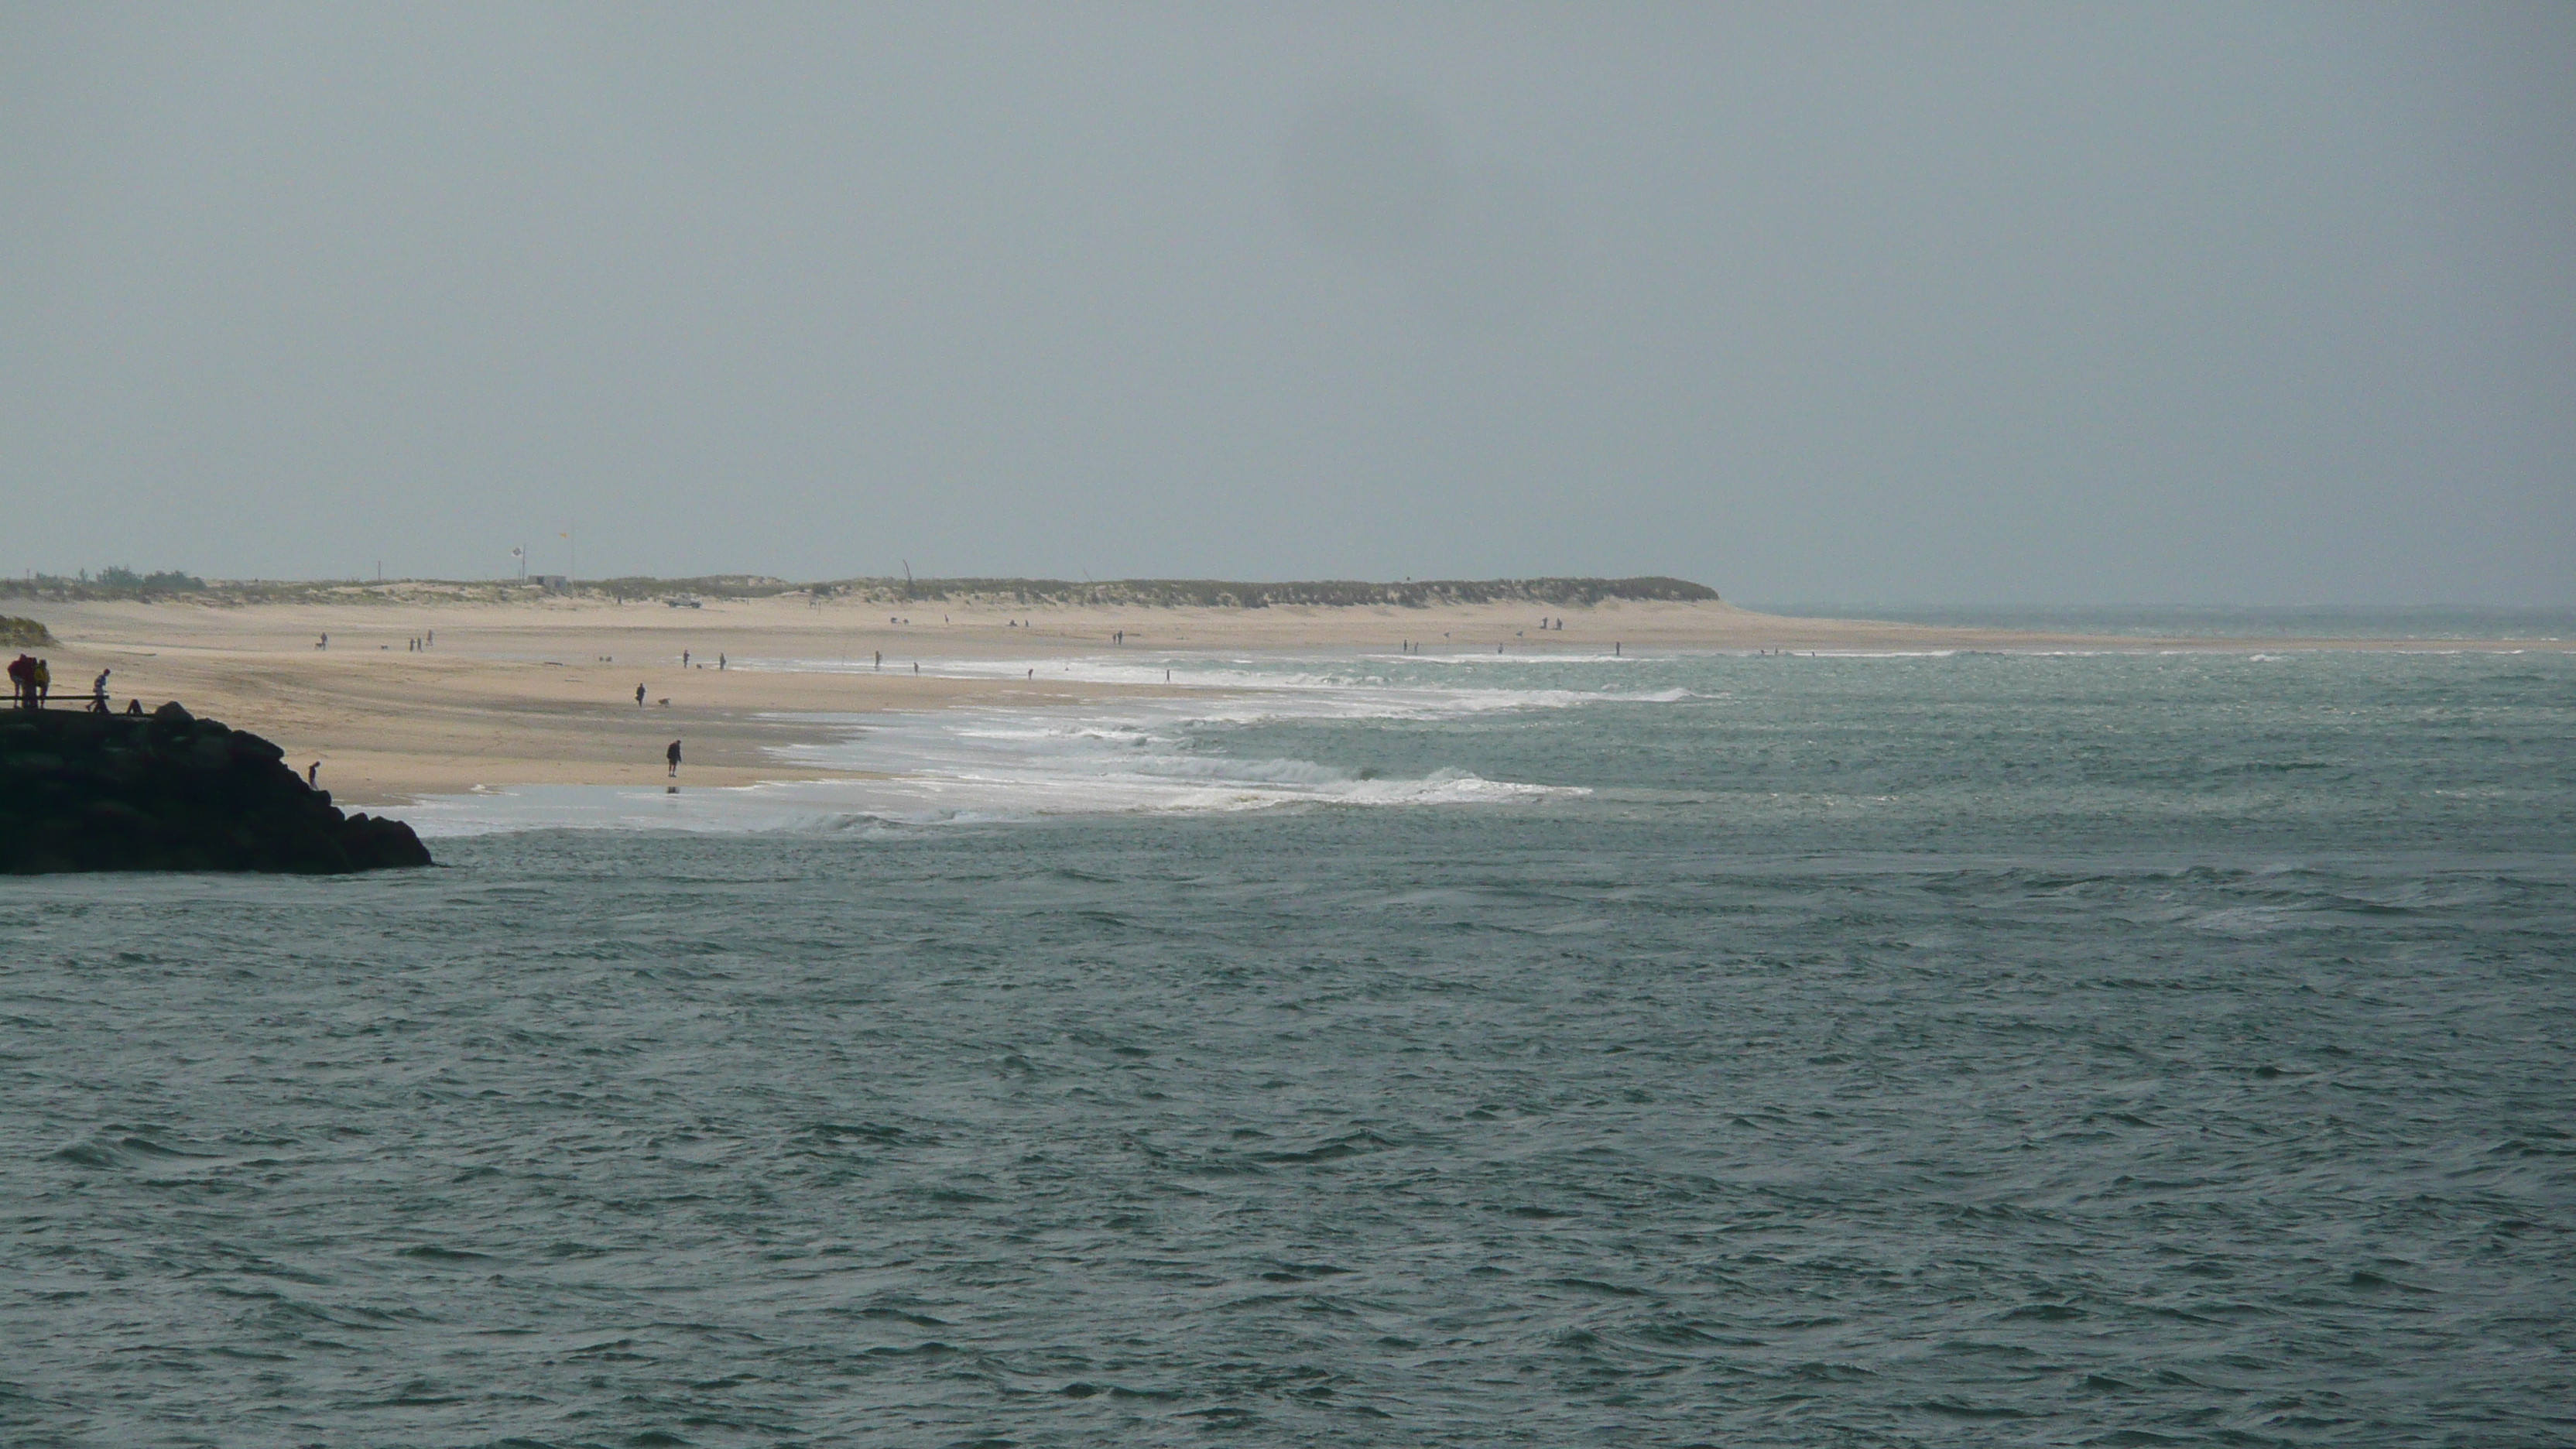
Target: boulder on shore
(168,791)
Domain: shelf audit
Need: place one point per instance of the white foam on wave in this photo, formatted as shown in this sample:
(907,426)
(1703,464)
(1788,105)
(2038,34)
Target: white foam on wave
(1157,753)
(1370,681)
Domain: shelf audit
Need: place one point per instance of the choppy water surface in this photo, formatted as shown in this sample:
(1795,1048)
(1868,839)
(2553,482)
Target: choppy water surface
(2027,1050)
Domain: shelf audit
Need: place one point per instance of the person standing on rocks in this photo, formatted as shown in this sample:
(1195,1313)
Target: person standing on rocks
(22,681)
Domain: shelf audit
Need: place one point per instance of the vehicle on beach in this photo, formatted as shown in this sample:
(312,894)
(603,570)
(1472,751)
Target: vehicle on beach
(684,602)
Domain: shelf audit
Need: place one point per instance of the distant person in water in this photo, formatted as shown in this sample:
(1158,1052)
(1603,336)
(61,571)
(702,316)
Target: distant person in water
(673,755)
(720,662)
(684,659)
(639,696)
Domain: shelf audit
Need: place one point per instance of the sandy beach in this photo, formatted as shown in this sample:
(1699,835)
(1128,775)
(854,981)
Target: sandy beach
(543,691)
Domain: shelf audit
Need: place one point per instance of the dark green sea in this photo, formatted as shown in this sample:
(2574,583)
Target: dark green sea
(2125,1048)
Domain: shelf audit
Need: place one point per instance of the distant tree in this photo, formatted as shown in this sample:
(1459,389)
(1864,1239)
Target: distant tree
(120,579)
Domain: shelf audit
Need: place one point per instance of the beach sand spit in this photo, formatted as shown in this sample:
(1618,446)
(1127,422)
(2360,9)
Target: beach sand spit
(543,691)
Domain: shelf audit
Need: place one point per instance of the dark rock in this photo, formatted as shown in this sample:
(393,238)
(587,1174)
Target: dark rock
(168,791)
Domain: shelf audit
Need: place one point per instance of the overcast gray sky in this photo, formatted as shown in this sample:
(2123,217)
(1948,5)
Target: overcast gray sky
(2224,303)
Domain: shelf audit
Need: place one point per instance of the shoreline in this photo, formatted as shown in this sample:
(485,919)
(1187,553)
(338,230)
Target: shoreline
(542,692)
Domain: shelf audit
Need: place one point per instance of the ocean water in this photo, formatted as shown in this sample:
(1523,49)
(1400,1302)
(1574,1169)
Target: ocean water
(2223,621)
(1949,1049)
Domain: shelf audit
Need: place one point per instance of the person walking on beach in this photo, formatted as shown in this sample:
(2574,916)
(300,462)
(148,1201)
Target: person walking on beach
(720,661)
(639,696)
(673,754)
(98,692)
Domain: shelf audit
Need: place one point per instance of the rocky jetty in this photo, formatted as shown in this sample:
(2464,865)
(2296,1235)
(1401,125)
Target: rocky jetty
(168,791)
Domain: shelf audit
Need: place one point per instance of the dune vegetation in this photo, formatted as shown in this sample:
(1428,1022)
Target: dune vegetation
(115,584)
